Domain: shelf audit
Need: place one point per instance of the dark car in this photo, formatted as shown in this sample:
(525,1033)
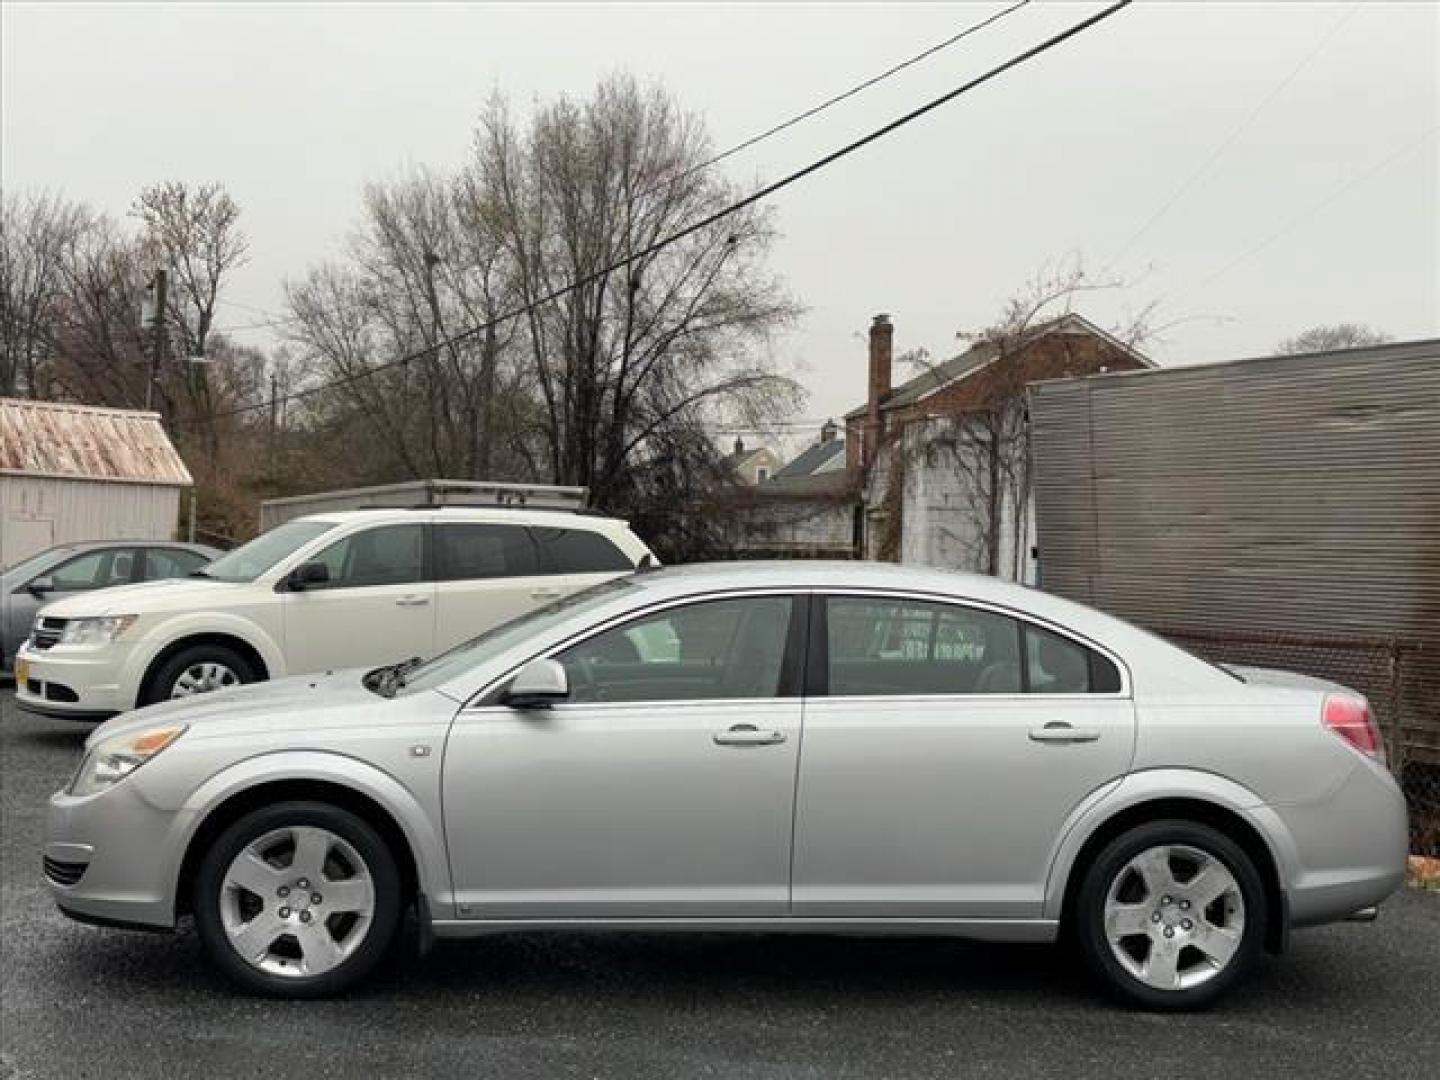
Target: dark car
(32,583)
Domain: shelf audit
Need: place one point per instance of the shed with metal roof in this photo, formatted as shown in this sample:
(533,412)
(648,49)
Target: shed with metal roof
(71,473)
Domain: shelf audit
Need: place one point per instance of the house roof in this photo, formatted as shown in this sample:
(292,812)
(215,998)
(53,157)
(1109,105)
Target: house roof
(48,438)
(978,356)
(812,460)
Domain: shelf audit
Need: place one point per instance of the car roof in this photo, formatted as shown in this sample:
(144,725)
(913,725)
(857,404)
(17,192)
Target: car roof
(498,514)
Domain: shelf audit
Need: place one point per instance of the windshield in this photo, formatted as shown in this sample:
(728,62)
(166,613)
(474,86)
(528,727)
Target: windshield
(253,559)
(25,567)
(498,639)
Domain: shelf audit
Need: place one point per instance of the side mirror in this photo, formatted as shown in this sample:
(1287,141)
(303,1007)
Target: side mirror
(307,574)
(538,685)
(41,585)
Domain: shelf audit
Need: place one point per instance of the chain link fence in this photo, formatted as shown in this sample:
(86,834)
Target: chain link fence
(1403,692)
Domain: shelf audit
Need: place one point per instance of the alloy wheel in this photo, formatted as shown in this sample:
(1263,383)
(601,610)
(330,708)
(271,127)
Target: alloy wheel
(297,902)
(202,678)
(1174,916)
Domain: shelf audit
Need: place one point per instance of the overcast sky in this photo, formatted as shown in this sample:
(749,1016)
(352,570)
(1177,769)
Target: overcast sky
(1315,125)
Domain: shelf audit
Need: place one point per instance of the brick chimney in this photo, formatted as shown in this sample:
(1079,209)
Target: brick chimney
(882,336)
(829,431)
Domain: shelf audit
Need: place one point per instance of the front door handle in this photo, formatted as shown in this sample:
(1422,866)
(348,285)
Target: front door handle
(412,601)
(748,735)
(1060,731)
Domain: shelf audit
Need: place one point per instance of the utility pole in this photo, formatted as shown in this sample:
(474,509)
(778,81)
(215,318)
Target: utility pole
(157,354)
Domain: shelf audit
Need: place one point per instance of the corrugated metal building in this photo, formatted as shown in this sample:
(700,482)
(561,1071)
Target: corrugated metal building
(76,472)
(1279,499)
(423,493)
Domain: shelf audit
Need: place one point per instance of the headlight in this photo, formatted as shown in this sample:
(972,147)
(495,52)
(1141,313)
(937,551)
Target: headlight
(117,757)
(99,631)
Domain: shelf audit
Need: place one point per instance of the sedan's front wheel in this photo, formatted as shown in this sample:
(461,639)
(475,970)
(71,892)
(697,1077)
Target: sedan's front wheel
(300,899)
(1171,914)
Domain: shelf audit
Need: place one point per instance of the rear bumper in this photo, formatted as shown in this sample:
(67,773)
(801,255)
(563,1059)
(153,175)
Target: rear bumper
(1350,848)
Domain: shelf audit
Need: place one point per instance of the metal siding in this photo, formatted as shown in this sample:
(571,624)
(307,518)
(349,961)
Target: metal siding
(1294,495)
(85,510)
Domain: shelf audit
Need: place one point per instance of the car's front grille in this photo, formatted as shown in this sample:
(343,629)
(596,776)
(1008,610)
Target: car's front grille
(64,873)
(47,632)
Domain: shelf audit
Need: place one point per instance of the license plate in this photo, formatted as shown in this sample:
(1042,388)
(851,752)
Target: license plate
(22,672)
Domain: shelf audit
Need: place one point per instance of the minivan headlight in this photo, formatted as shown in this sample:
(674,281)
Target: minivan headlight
(96,631)
(115,758)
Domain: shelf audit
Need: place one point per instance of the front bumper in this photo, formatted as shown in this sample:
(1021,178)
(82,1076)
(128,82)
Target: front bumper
(111,858)
(75,682)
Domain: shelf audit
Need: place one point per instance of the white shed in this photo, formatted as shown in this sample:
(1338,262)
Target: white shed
(71,473)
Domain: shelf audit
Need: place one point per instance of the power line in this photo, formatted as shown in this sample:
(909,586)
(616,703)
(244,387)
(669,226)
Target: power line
(1315,208)
(278,319)
(815,110)
(1230,140)
(704,223)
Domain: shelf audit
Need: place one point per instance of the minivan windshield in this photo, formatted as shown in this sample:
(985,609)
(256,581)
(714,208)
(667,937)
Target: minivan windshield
(249,561)
(496,640)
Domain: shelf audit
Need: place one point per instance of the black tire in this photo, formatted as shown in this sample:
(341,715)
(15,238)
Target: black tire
(160,684)
(376,938)
(1089,929)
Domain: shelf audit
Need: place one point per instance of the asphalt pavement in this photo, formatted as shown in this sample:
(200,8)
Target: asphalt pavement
(1347,1001)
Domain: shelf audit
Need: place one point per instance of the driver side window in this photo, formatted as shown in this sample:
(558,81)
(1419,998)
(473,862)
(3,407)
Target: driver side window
(709,651)
(389,555)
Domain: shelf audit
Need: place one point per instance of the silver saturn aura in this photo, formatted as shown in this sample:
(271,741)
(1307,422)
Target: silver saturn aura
(807,747)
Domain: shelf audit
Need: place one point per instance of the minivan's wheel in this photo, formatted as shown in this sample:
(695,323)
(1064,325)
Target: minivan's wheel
(198,669)
(299,899)
(1170,914)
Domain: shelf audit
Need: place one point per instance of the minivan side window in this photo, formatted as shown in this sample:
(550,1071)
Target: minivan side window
(387,555)
(706,651)
(467,551)
(579,551)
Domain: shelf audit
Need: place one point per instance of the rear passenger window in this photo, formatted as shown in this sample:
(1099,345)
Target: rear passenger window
(879,646)
(576,551)
(1057,665)
(465,552)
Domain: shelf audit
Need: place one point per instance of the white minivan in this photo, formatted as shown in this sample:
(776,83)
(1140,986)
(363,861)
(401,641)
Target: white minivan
(340,590)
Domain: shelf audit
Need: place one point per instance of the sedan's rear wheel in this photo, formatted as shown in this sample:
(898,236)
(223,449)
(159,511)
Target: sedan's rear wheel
(1170,914)
(298,900)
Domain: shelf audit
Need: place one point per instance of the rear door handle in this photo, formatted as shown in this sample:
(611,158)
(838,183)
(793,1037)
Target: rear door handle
(545,594)
(1059,731)
(748,735)
(412,601)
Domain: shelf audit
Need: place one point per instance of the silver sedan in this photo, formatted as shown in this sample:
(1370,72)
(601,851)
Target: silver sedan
(802,747)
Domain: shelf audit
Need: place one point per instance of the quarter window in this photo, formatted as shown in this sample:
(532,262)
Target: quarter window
(389,555)
(715,650)
(577,551)
(1057,665)
(466,552)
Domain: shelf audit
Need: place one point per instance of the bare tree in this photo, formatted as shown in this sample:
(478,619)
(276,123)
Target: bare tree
(451,330)
(36,232)
(1326,338)
(982,443)
(678,335)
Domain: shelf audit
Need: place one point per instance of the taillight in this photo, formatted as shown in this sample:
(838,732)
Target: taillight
(1351,719)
